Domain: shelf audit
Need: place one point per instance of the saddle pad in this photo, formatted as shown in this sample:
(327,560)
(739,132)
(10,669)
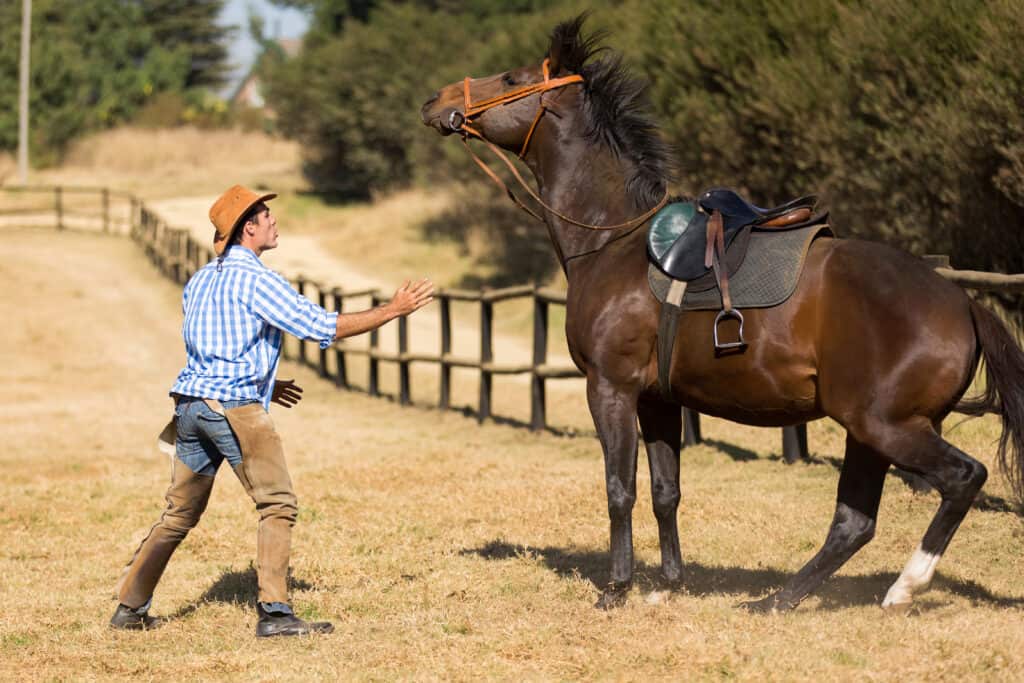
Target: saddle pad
(768,276)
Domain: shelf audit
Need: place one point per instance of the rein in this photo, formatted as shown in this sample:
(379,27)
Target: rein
(471,111)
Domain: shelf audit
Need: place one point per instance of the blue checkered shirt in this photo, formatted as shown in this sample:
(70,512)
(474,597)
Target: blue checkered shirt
(235,313)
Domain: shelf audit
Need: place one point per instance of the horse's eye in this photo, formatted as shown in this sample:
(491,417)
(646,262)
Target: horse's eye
(508,79)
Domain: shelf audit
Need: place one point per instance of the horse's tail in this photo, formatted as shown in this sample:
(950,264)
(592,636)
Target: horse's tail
(1004,392)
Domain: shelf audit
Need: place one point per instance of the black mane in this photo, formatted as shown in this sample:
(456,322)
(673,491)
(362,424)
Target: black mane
(617,110)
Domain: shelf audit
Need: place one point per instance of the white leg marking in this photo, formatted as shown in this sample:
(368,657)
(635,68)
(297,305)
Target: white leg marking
(915,578)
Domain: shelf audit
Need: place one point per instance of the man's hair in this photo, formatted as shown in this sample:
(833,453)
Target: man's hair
(249,217)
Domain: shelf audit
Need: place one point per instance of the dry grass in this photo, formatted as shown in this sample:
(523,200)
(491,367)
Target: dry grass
(441,549)
(178,161)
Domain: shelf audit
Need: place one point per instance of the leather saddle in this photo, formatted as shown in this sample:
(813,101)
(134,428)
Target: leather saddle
(691,240)
(678,240)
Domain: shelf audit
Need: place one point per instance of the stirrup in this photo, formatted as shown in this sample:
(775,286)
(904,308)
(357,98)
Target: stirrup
(728,346)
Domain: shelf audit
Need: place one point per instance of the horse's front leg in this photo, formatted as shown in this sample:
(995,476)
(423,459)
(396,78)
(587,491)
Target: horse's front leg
(661,425)
(613,408)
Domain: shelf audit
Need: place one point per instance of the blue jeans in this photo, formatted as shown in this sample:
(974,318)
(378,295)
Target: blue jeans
(204,437)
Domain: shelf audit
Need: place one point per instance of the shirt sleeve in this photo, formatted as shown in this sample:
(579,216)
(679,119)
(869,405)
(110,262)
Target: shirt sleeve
(278,304)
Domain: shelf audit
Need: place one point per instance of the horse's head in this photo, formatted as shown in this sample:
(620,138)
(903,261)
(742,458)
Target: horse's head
(505,108)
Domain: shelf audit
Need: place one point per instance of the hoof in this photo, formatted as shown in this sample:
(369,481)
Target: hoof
(897,609)
(613,596)
(769,605)
(671,583)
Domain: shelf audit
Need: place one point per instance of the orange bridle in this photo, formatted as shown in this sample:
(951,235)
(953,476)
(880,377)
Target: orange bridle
(472,110)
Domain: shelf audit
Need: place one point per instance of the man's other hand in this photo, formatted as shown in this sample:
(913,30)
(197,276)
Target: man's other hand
(412,296)
(286,393)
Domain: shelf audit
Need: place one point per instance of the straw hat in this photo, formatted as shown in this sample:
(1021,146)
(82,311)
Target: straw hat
(230,208)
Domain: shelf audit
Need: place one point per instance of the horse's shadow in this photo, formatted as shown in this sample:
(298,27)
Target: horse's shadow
(235,588)
(702,580)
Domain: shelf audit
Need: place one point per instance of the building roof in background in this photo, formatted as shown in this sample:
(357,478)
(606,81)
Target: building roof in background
(249,93)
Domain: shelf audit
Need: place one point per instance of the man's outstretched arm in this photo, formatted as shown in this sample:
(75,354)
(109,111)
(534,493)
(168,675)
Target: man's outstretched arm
(410,297)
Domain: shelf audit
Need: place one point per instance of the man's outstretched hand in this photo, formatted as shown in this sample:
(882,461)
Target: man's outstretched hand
(286,393)
(412,296)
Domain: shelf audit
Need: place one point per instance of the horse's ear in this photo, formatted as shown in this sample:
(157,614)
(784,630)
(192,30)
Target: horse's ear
(556,55)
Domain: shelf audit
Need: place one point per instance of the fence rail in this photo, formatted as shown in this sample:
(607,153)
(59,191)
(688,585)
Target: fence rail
(177,255)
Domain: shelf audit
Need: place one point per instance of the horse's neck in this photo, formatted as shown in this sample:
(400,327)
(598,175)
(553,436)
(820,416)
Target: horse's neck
(586,183)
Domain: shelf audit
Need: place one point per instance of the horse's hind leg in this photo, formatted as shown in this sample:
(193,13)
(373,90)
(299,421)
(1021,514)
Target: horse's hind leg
(860,489)
(661,426)
(958,477)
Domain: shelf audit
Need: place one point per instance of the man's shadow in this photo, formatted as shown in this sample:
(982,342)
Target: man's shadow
(703,580)
(235,588)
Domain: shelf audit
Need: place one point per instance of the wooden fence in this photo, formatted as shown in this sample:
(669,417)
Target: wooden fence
(178,255)
(90,208)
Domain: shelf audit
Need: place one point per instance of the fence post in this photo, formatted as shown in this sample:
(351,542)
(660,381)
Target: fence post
(538,403)
(372,382)
(341,379)
(197,256)
(322,297)
(403,364)
(58,199)
(134,221)
(176,267)
(446,349)
(486,356)
(106,210)
(300,286)
(691,427)
(794,443)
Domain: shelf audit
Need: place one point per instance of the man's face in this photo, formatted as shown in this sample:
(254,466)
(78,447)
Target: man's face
(264,230)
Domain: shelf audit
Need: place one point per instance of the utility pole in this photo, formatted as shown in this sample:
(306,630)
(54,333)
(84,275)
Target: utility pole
(26,32)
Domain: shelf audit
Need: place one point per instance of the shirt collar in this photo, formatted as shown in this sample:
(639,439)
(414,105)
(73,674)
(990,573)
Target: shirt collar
(237,252)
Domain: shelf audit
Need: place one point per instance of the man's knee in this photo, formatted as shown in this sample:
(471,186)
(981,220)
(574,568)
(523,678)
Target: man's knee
(186,498)
(281,505)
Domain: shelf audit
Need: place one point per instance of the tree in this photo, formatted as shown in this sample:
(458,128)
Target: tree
(93,65)
(190,26)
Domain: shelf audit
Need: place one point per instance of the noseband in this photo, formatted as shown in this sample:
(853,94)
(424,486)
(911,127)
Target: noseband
(460,122)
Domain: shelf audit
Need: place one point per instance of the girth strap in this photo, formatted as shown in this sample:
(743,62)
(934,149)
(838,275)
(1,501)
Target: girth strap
(668,324)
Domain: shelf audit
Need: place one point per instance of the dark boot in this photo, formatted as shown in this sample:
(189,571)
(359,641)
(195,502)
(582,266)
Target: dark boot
(286,624)
(128,619)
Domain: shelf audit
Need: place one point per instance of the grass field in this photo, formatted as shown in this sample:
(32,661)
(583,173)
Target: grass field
(440,548)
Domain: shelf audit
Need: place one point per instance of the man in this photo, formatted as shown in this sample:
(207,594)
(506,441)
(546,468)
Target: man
(236,310)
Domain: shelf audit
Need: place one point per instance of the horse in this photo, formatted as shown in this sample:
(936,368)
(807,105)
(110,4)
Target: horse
(872,337)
